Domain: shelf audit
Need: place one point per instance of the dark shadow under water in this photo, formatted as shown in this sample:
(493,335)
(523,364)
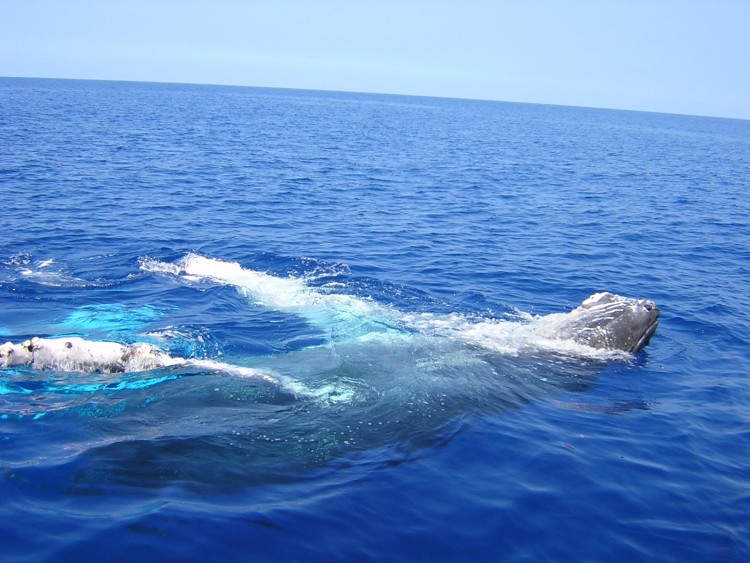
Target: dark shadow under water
(376,401)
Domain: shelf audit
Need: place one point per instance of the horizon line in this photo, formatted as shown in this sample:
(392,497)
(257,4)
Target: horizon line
(362,92)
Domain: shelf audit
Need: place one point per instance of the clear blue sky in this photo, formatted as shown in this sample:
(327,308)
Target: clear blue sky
(675,56)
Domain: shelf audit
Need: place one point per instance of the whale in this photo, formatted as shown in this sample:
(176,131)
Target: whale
(602,321)
(372,383)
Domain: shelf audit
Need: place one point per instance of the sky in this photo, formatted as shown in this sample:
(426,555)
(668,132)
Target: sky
(673,56)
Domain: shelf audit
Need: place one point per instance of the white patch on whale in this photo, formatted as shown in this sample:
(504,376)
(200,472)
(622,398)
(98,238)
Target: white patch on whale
(74,354)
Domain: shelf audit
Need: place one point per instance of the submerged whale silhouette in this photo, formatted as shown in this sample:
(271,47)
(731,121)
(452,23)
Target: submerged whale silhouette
(603,321)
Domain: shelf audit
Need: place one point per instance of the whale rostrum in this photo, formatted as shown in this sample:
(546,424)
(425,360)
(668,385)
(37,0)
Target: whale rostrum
(607,321)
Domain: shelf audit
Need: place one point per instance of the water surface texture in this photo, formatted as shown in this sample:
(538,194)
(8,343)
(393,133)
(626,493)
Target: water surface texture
(360,277)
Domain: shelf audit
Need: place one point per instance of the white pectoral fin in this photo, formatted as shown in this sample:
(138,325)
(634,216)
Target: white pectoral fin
(15,354)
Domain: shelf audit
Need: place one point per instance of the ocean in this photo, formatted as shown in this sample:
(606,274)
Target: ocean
(354,281)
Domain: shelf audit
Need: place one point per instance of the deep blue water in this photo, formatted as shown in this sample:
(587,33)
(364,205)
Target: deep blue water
(407,446)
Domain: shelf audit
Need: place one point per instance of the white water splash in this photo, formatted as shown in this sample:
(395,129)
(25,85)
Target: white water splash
(346,314)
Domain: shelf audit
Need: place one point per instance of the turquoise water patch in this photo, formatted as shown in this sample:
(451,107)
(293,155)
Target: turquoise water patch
(7,387)
(111,318)
(116,386)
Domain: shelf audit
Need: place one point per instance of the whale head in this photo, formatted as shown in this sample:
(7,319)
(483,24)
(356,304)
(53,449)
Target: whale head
(612,322)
